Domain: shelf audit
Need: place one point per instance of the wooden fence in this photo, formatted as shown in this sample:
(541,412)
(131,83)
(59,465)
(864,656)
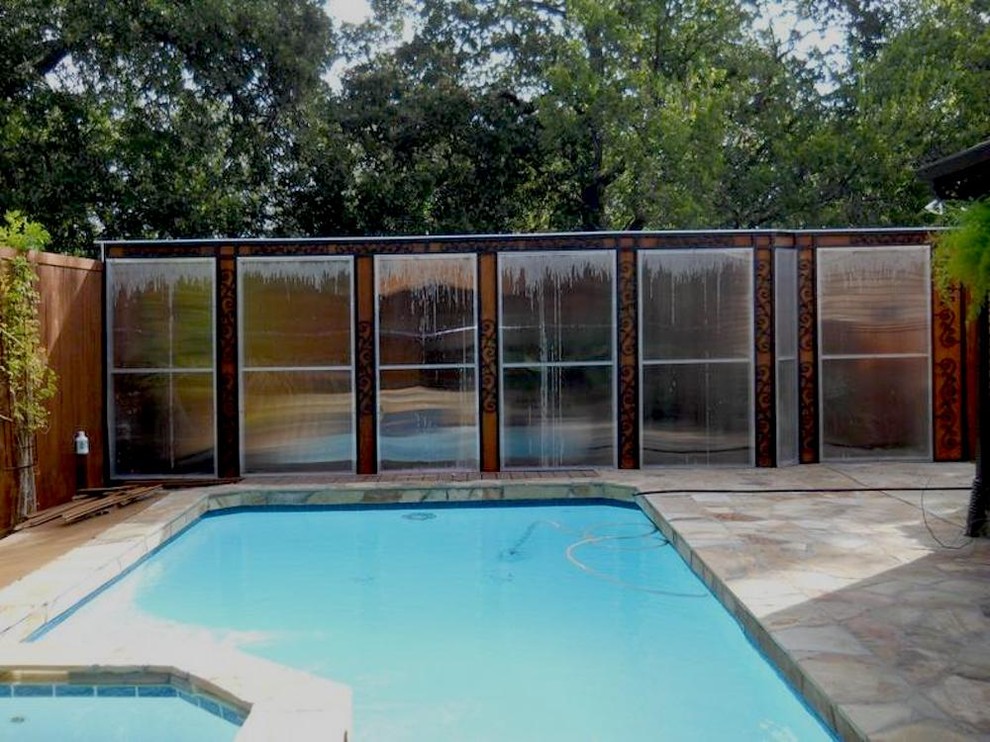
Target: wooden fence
(72,328)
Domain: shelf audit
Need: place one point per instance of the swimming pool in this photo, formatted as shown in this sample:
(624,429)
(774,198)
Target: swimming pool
(99,713)
(536,621)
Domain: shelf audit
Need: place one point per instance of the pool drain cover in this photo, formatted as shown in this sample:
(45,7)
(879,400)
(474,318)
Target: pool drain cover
(419,516)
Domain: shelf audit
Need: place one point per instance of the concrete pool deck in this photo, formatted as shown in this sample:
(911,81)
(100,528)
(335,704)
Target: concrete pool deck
(835,571)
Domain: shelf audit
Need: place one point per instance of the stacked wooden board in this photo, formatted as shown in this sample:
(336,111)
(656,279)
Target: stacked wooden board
(89,502)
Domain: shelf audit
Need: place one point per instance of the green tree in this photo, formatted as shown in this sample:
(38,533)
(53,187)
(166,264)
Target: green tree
(912,87)
(26,381)
(162,119)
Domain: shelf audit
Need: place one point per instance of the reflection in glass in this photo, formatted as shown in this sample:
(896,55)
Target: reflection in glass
(558,416)
(296,378)
(696,304)
(296,312)
(696,330)
(558,350)
(428,403)
(163,423)
(875,366)
(873,300)
(875,408)
(696,413)
(162,313)
(426,310)
(428,419)
(298,421)
(557,307)
(161,357)
(786,318)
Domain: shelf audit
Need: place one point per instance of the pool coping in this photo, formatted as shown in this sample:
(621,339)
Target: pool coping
(43,595)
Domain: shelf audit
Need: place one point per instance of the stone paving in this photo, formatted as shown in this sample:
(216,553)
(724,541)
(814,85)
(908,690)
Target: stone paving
(854,579)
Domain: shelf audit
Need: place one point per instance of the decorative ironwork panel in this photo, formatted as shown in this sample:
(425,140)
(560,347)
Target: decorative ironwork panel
(807,353)
(628,333)
(488,360)
(364,368)
(228,433)
(947,374)
(763,337)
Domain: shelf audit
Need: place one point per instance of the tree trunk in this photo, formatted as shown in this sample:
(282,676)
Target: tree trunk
(27,495)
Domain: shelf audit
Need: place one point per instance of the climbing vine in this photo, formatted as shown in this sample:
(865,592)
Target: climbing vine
(26,380)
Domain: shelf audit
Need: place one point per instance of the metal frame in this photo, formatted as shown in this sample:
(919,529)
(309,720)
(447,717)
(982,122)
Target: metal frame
(473,367)
(927,355)
(243,370)
(170,371)
(750,360)
(610,364)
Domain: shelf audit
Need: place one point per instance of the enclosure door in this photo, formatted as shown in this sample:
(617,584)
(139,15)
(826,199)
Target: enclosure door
(297,405)
(427,391)
(162,411)
(696,345)
(558,359)
(875,352)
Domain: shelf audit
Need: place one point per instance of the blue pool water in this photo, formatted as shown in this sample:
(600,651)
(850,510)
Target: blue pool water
(531,622)
(40,713)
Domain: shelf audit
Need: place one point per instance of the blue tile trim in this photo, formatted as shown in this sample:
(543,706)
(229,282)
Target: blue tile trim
(74,691)
(70,690)
(210,705)
(116,691)
(156,691)
(33,690)
(234,717)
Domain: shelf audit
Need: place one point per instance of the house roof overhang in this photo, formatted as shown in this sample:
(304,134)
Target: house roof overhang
(960,176)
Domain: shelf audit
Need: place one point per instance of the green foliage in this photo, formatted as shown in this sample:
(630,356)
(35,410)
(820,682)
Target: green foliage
(26,381)
(962,253)
(25,378)
(196,118)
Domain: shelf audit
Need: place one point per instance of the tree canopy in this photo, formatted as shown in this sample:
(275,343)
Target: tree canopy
(197,118)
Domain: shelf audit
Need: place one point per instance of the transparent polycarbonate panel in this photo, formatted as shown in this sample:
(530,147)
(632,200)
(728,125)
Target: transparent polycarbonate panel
(162,313)
(429,419)
(786,319)
(557,307)
(696,304)
(787,412)
(786,303)
(697,413)
(558,416)
(163,424)
(874,300)
(298,421)
(296,312)
(876,408)
(426,309)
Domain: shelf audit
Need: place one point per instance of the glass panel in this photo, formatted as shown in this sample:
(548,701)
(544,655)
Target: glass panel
(426,311)
(163,424)
(875,408)
(785,303)
(298,421)
(296,312)
(162,313)
(429,419)
(787,412)
(786,316)
(697,413)
(696,304)
(873,300)
(558,416)
(557,307)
